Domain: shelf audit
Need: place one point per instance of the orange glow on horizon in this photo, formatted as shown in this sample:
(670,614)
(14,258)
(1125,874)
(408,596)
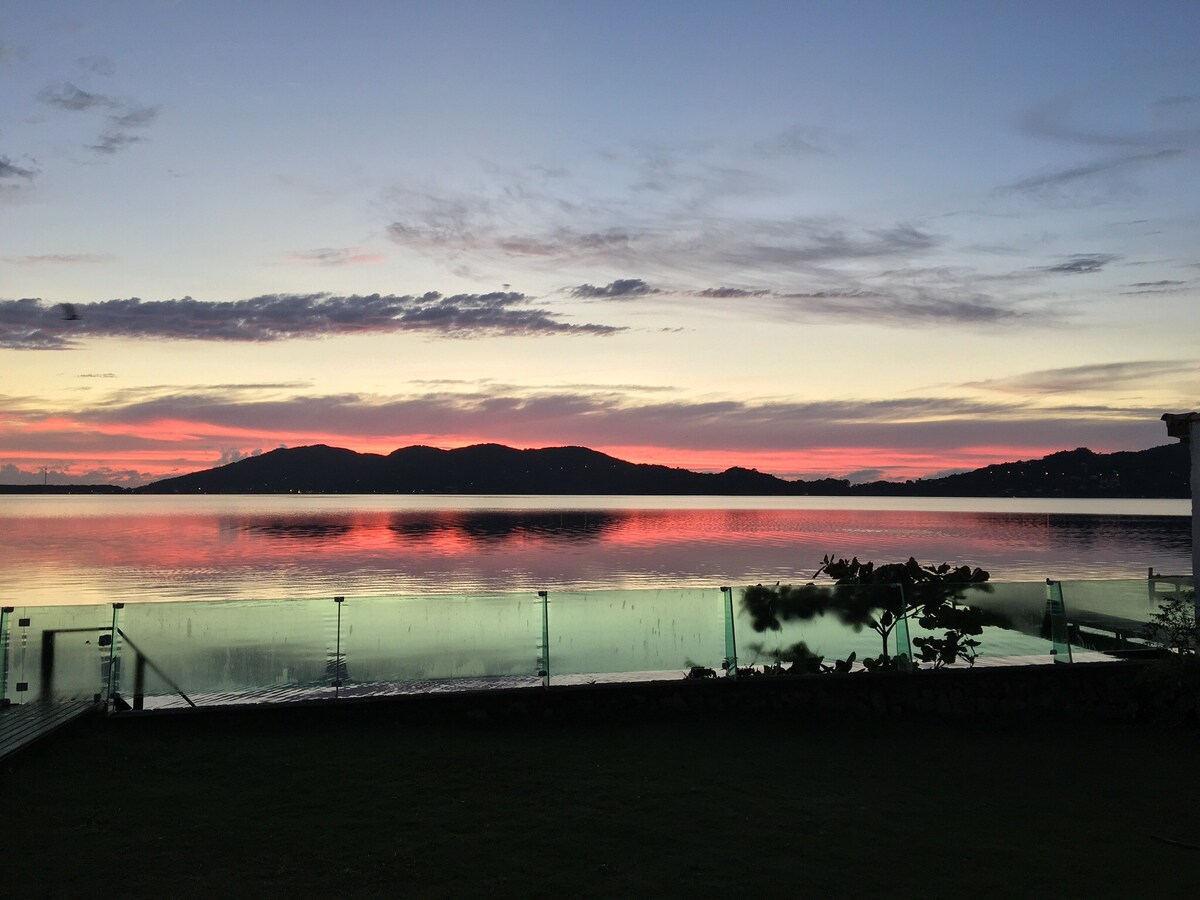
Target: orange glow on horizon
(880,463)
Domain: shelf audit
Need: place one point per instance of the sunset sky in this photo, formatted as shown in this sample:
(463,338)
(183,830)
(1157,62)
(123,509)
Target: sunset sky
(821,239)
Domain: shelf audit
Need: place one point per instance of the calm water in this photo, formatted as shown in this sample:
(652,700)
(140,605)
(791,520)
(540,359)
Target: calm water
(60,550)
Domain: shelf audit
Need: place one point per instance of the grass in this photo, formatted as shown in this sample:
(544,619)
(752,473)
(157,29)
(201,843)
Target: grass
(367,805)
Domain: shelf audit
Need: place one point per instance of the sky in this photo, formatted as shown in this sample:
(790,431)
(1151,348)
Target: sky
(851,239)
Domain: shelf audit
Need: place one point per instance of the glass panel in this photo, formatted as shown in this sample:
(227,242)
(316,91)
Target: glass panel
(55,652)
(1014,626)
(459,642)
(1112,615)
(228,651)
(636,634)
(802,630)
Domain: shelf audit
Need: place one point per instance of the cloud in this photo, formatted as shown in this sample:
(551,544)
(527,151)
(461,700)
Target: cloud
(9,169)
(31,324)
(862,476)
(569,244)
(909,297)
(1083,264)
(800,140)
(59,473)
(98,65)
(920,308)
(660,212)
(111,142)
(728,293)
(118,134)
(609,418)
(232,455)
(123,120)
(1171,122)
(70,97)
(65,259)
(337,256)
(1106,377)
(714,245)
(621,289)
(1156,287)
(1050,186)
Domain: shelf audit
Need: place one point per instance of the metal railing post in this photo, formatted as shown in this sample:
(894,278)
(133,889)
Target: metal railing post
(5,616)
(1056,614)
(337,653)
(114,657)
(544,659)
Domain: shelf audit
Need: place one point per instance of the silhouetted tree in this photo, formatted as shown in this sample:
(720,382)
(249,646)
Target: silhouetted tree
(879,597)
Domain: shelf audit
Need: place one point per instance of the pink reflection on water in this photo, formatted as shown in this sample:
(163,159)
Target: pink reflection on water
(276,552)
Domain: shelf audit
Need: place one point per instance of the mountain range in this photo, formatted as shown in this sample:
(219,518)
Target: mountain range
(495,469)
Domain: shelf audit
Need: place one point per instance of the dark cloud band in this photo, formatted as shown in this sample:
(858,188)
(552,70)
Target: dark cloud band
(33,325)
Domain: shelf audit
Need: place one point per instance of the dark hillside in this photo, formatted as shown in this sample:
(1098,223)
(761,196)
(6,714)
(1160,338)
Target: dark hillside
(1157,472)
(495,469)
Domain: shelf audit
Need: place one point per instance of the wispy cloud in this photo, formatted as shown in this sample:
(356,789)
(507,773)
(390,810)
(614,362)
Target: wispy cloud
(1080,264)
(31,324)
(9,169)
(1059,186)
(72,98)
(337,256)
(98,65)
(663,212)
(1171,121)
(919,308)
(1105,377)
(611,418)
(730,293)
(621,289)
(60,473)
(1143,288)
(58,259)
(909,297)
(799,140)
(123,121)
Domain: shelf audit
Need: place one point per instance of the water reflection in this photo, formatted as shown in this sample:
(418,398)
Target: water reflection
(264,548)
(495,525)
(305,529)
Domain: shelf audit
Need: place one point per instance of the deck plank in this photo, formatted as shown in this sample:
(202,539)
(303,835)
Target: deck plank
(22,724)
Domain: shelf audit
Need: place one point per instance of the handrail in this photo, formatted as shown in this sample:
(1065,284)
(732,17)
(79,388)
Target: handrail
(142,661)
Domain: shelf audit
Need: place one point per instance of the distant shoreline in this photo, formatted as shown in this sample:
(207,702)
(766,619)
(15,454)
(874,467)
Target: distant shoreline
(63,489)
(1158,473)
(108,490)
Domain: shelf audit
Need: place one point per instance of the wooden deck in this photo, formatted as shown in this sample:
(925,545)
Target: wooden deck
(21,725)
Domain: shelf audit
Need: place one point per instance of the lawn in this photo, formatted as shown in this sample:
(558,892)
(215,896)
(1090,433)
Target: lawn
(373,805)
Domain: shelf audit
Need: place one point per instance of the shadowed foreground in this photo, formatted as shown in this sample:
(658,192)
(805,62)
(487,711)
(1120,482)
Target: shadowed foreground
(368,805)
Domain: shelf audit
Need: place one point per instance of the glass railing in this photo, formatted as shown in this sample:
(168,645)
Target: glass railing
(433,643)
(1114,615)
(635,634)
(154,655)
(214,652)
(54,653)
